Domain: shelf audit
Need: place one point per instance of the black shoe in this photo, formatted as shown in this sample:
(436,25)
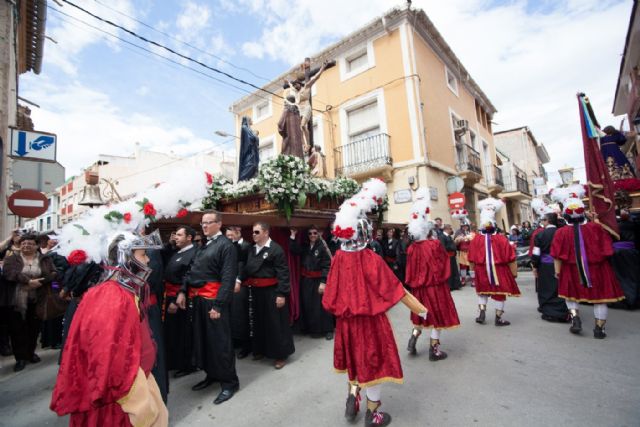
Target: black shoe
(35,358)
(243,353)
(183,373)
(19,366)
(553,319)
(436,354)
(576,325)
(501,322)
(598,332)
(203,384)
(328,336)
(352,407)
(225,395)
(411,346)
(376,418)
(481,317)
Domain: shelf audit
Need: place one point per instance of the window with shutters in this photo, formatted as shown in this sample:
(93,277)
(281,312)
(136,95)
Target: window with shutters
(266,150)
(262,110)
(452,81)
(356,61)
(363,121)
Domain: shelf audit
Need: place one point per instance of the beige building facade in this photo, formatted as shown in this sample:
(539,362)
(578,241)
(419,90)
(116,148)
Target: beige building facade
(398,105)
(524,177)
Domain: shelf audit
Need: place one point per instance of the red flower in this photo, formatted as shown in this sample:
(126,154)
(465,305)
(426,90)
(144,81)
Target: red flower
(126,217)
(148,209)
(182,213)
(344,233)
(209,178)
(380,200)
(77,257)
(414,216)
(353,204)
(428,210)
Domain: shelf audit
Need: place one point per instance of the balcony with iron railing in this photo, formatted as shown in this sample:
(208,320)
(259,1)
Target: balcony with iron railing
(516,184)
(365,157)
(493,177)
(468,163)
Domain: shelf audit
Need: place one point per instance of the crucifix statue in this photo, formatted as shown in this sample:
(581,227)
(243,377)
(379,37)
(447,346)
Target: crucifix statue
(296,123)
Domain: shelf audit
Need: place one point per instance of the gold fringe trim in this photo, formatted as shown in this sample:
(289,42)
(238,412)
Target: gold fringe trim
(500,293)
(433,327)
(593,301)
(374,382)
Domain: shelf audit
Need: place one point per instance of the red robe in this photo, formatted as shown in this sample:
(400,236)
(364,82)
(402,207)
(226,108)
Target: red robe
(427,274)
(360,289)
(598,248)
(106,346)
(503,255)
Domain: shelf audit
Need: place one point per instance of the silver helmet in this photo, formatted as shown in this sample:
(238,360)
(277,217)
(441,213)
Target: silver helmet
(361,238)
(131,271)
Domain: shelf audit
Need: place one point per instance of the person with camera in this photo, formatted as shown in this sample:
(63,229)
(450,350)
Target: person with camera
(29,273)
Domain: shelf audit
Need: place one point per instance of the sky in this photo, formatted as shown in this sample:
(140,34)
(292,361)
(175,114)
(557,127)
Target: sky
(101,94)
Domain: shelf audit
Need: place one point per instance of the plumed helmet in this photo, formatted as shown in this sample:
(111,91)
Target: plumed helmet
(351,225)
(419,224)
(120,256)
(489,207)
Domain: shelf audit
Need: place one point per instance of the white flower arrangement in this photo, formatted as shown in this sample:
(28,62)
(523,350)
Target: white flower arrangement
(285,182)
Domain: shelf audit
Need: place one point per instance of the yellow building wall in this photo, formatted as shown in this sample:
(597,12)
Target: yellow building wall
(387,74)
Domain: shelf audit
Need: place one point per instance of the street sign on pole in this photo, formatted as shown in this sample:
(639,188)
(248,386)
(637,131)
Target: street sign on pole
(456,200)
(33,145)
(28,203)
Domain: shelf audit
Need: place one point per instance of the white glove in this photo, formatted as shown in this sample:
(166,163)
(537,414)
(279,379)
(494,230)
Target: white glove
(423,315)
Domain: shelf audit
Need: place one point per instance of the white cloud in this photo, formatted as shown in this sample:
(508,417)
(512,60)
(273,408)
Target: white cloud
(88,123)
(192,19)
(142,90)
(530,58)
(73,36)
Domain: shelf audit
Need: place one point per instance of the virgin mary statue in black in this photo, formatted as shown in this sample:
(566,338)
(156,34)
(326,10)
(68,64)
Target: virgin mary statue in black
(249,159)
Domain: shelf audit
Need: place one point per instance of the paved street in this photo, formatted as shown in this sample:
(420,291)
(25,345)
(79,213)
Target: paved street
(532,373)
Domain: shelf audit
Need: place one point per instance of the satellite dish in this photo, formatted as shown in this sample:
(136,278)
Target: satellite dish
(454,184)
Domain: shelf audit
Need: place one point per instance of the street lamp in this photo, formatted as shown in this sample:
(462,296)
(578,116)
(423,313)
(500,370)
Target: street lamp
(225,134)
(566,175)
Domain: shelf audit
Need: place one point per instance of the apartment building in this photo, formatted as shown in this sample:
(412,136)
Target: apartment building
(398,105)
(523,159)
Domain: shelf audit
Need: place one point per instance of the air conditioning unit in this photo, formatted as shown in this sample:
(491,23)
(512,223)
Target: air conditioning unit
(462,126)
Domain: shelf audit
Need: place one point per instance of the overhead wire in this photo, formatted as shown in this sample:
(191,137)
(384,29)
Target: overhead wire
(215,145)
(148,50)
(168,49)
(181,41)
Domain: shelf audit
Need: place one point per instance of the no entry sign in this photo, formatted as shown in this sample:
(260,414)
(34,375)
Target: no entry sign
(28,203)
(456,200)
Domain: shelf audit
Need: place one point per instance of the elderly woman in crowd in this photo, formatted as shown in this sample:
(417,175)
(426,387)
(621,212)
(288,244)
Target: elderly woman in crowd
(29,272)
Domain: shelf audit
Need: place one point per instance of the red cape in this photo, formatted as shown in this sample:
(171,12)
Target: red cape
(427,264)
(101,356)
(360,284)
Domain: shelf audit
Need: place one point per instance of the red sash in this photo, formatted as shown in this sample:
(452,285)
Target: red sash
(208,291)
(261,282)
(311,274)
(153,299)
(451,253)
(171,289)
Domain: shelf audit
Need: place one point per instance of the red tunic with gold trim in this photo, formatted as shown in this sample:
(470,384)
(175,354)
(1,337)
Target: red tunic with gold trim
(493,278)
(106,346)
(427,275)
(598,248)
(360,289)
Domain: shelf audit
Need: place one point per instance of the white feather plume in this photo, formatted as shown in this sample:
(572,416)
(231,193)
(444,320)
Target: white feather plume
(92,232)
